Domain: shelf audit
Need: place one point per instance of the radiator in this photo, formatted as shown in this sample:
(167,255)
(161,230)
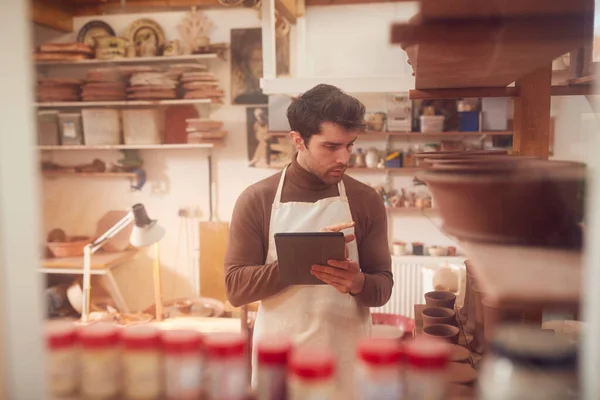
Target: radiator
(412,279)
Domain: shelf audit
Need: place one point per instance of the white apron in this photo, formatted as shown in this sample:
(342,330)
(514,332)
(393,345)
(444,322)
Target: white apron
(315,316)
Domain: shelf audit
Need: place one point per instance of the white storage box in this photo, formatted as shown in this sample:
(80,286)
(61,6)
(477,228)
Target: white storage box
(141,126)
(101,126)
(432,123)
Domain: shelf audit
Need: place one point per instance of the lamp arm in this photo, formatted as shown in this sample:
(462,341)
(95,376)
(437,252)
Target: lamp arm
(116,228)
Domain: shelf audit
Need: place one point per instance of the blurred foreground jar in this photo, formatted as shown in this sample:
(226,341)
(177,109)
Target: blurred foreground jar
(62,357)
(227,369)
(100,361)
(142,362)
(379,369)
(427,367)
(311,375)
(272,354)
(183,364)
(525,362)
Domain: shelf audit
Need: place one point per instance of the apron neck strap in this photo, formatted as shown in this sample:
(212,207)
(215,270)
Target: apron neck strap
(280,188)
(342,190)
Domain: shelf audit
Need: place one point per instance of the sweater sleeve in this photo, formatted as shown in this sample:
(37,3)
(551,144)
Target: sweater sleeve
(375,259)
(247,277)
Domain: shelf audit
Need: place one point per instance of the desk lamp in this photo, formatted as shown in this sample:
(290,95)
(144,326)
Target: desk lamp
(145,232)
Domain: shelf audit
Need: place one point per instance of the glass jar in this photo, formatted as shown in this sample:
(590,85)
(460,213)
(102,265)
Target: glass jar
(524,362)
(311,375)
(183,363)
(63,357)
(100,360)
(427,364)
(379,369)
(142,362)
(272,354)
(227,366)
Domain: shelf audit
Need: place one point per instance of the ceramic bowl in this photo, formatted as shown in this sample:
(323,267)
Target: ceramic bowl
(438,315)
(437,251)
(448,333)
(531,203)
(440,298)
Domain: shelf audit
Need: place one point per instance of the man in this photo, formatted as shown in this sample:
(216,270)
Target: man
(311,194)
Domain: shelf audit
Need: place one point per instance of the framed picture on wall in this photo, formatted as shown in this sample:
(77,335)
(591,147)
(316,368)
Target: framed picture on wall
(265,150)
(246,66)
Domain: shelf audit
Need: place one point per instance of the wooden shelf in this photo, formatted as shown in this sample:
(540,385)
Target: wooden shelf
(129,61)
(374,134)
(391,170)
(60,174)
(521,276)
(368,84)
(130,146)
(482,53)
(101,262)
(121,103)
(577,88)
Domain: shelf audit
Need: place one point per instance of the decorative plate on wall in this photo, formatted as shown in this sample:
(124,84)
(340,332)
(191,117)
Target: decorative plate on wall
(146,36)
(93,29)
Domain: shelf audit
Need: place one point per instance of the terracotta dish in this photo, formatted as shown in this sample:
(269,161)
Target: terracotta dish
(440,298)
(448,333)
(531,203)
(438,315)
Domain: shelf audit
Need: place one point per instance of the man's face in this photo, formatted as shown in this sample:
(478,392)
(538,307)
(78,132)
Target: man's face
(327,153)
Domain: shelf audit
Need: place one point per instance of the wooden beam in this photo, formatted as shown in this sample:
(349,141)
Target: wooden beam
(52,15)
(343,2)
(287,9)
(575,90)
(532,114)
(93,7)
(431,94)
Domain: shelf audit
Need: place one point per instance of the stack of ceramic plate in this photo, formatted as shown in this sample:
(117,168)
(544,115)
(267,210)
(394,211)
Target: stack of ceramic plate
(201,85)
(204,130)
(103,84)
(58,89)
(63,52)
(151,86)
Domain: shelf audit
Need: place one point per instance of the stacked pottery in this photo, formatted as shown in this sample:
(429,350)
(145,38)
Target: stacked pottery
(439,318)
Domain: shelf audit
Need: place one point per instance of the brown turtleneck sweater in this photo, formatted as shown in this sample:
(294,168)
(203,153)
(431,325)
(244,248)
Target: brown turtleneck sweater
(249,279)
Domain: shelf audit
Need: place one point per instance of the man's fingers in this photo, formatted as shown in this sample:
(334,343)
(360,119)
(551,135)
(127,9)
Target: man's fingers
(350,237)
(338,227)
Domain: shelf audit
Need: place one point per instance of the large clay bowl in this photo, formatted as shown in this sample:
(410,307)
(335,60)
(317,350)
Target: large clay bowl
(477,164)
(429,157)
(534,203)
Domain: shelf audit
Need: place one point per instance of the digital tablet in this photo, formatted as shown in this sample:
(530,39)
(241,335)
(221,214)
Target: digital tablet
(298,252)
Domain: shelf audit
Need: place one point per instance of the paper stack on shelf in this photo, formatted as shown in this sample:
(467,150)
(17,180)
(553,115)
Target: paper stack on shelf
(103,84)
(204,130)
(201,85)
(58,89)
(63,52)
(151,86)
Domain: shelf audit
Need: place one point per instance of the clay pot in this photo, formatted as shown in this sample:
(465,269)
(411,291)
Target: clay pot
(438,315)
(493,316)
(448,333)
(428,158)
(440,298)
(534,203)
(477,164)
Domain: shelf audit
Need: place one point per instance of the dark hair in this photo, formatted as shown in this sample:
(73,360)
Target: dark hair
(325,103)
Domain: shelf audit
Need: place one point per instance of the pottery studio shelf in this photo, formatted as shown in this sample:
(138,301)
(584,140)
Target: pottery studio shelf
(377,135)
(130,147)
(522,276)
(121,103)
(130,61)
(458,45)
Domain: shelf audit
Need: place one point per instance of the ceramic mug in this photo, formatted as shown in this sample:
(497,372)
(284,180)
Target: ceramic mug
(399,249)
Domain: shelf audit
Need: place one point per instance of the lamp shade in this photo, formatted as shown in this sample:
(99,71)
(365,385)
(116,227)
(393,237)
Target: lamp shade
(145,231)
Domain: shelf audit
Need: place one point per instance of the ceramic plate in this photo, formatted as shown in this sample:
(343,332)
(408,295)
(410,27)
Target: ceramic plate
(147,37)
(93,29)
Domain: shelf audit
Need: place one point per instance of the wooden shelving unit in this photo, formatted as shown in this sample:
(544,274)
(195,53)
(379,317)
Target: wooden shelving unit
(130,146)
(122,103)
(61,174)
(129,61)
(376,135)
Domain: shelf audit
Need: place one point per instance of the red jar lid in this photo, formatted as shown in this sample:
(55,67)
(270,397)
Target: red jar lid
(181,341)
(225,345)
(273,350)
(60,334)
(141,337)
(380,351)
(312,365)
(428,353)
(99,335)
